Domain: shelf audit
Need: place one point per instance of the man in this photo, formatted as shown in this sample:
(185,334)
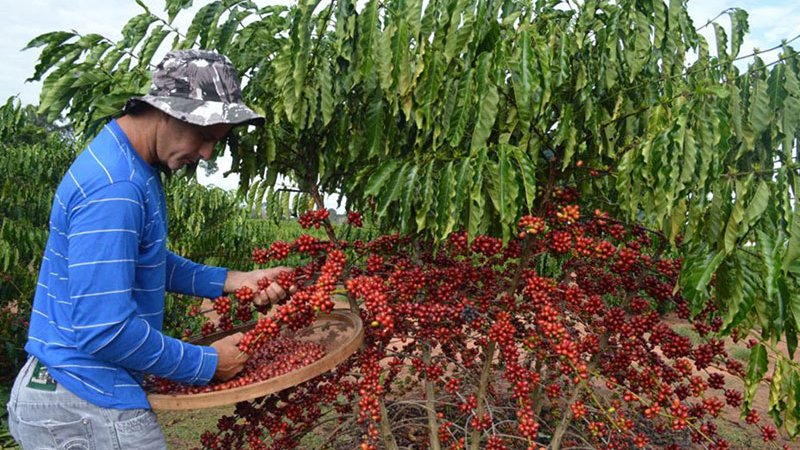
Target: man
(95,328)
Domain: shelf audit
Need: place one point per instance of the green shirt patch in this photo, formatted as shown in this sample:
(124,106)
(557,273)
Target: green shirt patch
(41,379)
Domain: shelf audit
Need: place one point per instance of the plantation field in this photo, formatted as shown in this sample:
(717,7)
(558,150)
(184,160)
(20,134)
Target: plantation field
(552,189)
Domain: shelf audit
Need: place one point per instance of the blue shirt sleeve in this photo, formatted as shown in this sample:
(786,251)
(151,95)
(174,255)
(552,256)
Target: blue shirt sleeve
(103,239)
(190,278)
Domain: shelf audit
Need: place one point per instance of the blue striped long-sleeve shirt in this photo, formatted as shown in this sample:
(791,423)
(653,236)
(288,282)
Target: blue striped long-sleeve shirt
(99,303)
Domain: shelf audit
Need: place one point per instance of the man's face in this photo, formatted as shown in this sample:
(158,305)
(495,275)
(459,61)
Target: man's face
(179,143)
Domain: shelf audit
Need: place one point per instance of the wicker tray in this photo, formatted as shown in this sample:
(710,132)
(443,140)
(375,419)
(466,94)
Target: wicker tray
(341,332)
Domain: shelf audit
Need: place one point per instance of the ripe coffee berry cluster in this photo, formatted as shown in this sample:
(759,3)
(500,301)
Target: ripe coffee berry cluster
(354,219)
(244,295)
(222,305)
(276,357)
(300,310)
(313,218)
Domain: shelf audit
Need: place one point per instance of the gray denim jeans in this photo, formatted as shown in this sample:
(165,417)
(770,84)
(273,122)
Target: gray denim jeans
(43,415)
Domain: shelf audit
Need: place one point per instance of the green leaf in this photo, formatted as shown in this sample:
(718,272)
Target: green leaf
(374,128)
(776,394)
(258,202)
(135,30)
(660,21)
(507,191)
(767,245)
(266,147)
(793,249)
(409,190)
(326,91)
(458,38)
(487,115)
(792,418)
(756,368)
(739,28)
(722,42)
(735,218)
(392,190)
(151,45)
(791,337)
(445,206)
(379,177)
(57,93)
(794,307)
(527,169)
(757,206)
(367,29)
(642,47)
(173,7)
(400,60)
(55,50)
(427,195)
(427,92)
(462,110)
(760,114)
(384,57)
(568,137)
(522,76)
(269,212)
(487,112)
(463,184)
(296,205)
(476,198)
(697,274)
(51,38)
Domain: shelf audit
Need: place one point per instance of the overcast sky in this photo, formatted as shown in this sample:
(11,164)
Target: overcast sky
(770,22)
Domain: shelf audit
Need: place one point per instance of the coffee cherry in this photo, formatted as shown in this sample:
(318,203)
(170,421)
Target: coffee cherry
(222,305)
(244,295)
(769,433)
(207,328)
(354,219)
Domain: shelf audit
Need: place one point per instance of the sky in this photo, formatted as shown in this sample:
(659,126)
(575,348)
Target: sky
(770,22)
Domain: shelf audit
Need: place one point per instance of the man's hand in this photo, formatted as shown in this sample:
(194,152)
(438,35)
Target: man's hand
(230,360)
(272,294)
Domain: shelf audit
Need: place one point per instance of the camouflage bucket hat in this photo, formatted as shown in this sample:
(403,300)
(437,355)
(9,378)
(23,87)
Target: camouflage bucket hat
(199,87)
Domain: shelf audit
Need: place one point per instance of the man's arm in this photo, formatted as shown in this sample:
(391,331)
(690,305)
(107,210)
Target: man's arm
(190,278)
(103,252)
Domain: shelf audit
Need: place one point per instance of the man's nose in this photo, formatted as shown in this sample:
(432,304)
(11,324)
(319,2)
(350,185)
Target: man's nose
(206,150)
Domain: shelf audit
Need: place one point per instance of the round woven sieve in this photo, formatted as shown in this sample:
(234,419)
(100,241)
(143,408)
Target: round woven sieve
(340,332)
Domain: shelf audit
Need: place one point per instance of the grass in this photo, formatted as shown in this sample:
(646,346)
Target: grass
(688,331)
(182,429)
(740,437)
(740,353)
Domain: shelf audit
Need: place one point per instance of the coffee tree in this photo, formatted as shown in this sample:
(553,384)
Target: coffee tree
(34,155)
(453,122)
